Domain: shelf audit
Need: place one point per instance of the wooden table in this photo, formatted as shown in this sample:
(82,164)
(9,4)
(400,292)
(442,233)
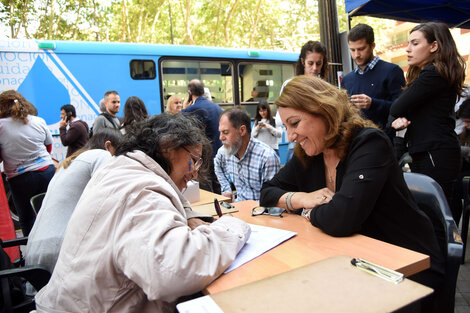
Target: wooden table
(311,245)
(208,197)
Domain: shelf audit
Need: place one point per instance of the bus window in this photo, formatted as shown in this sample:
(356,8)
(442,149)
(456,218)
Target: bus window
(261,81)
(142,69)
(215,75)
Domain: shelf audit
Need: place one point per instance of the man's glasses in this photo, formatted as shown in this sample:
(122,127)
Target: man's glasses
(197,163)
(261,210)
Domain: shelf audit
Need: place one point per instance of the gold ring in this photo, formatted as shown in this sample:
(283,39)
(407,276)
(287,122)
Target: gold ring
(323,198)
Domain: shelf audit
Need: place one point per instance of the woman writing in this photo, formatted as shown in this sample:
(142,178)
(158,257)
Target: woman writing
(25,144)
(344,177)
(426,107)
(265,129)
(129,245)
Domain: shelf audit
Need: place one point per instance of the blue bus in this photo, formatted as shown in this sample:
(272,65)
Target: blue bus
(53,73)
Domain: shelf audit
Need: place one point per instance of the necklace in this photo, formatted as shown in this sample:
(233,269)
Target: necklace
(330,178)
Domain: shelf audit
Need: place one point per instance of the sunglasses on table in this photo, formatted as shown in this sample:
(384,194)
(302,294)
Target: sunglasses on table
(261,210)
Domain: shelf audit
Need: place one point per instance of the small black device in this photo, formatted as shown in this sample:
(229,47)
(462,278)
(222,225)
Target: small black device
(69,115)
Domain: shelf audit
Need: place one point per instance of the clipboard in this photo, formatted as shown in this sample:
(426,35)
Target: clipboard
(331,285)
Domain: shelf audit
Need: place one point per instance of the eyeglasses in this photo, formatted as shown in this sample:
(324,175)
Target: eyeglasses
(261,210)
(197,163)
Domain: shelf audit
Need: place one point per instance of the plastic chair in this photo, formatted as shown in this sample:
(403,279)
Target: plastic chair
(38,276)
(465,213)
(431,200)
(36,202)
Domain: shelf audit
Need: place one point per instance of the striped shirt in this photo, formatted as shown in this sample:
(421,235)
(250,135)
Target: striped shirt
(259,164)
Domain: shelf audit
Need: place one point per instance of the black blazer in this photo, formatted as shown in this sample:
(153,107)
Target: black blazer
(371,196)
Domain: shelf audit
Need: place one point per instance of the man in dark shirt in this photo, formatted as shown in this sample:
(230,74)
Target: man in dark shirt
(208,113)
(374,84)
(73,131)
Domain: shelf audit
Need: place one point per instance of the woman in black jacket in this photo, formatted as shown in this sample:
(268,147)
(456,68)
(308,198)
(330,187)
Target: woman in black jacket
(426,106)
(344,177)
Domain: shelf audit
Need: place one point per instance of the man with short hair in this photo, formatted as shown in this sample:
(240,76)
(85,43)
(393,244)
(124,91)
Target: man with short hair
(374,84)
(243,161)
(208,113)
(108,119)
(73,131)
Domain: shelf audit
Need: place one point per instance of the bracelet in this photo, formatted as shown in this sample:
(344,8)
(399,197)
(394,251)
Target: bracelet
(288,201)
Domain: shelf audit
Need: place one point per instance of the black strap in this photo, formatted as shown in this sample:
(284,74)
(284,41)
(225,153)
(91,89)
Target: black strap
(110,119)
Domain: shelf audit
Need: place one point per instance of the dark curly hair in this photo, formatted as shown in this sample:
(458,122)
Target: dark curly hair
(167,131)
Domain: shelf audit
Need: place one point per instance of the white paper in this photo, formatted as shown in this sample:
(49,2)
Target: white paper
(199,305)
(262,239)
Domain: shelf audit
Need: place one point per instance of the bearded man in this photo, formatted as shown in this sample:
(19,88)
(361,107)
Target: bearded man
(242,163)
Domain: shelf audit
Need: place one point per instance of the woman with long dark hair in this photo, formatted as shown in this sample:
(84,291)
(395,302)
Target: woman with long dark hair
(426,106)
(134,111)
(265,129)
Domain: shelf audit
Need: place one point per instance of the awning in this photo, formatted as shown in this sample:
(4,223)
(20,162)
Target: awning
(453,13)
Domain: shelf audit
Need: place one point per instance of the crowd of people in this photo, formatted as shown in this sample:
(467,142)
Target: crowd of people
(115,209)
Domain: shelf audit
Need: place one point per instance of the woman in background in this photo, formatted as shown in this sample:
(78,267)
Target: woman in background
(313,61)
(464,139)
(134,111)
(265,129)
(62,196)
(25,143)
(426,107)
(174,104)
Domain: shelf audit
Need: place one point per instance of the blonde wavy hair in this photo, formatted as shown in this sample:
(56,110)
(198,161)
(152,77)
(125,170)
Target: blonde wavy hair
(315,96)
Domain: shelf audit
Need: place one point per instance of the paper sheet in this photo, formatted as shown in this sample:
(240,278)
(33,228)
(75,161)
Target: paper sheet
(199,305)
(262,239)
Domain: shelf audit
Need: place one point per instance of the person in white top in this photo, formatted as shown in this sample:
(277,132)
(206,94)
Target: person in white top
(25,144)
(265,128)
(62,196)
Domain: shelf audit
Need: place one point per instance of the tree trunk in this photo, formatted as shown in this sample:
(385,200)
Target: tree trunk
(125,32)
(255,24)
(154,24)
(74,35)
(187,24)
(227,22)
(23,19)
(216,30)
(12,25)
(139,26)
(51,21)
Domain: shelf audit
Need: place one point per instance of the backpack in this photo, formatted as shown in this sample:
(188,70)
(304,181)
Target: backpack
(109,118)
(15,284)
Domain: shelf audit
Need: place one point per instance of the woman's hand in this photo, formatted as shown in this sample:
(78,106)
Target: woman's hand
(311,199)
(196,222)
(400,123)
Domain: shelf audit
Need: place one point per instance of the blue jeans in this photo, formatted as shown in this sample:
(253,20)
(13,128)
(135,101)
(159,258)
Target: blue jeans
(23,187)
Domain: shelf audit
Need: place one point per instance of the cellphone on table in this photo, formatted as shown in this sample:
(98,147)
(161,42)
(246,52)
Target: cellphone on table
(217,207)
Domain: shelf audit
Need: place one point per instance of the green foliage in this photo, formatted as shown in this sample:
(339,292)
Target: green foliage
(258,24)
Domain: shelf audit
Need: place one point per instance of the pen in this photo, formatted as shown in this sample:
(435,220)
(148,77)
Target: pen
(377,270)
(217,207)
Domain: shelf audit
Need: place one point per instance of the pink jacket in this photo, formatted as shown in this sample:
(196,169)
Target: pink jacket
(128,247)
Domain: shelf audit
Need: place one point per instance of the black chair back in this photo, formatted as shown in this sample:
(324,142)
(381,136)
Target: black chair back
(431,200)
